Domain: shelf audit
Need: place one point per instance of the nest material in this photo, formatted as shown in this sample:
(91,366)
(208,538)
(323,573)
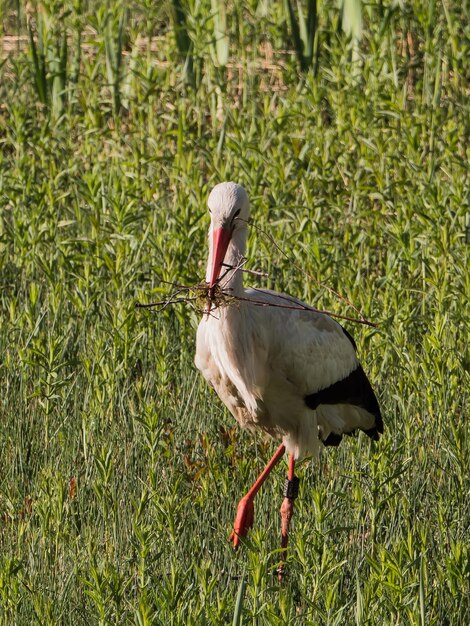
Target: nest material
(205,298)
(214,296)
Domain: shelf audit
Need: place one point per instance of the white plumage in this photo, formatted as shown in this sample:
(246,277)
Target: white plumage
(292,372)
(264,361)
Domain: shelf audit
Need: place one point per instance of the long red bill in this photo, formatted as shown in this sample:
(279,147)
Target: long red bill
(220,240)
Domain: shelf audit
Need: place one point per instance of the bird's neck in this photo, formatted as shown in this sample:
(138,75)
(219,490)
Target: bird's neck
(232,279)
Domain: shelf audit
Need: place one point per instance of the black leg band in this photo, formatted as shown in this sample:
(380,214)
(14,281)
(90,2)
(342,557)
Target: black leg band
(291,488)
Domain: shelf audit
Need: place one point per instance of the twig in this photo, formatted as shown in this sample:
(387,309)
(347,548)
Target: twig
(217,295)
(363,319)
(221,297)
(164,303)
(306,307)
(247,271)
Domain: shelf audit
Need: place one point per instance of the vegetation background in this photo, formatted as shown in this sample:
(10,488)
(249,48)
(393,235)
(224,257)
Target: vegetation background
(120,470)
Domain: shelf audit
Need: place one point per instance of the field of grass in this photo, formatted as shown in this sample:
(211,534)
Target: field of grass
(120,469)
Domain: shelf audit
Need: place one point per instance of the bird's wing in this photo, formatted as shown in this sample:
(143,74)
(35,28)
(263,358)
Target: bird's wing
(316,355)
(313,350)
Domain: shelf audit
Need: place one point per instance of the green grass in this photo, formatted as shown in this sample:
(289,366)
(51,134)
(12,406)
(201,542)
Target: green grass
(120,469)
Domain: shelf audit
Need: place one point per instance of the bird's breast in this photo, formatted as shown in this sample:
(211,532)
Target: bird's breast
(231,361)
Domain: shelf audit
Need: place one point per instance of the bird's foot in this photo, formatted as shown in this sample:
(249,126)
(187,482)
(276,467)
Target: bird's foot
(291,491)
(243,520)
(287,510)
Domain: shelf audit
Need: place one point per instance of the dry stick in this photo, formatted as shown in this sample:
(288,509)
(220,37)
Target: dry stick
(164,303)
(363,319)
(182,287)
(299,307)
(172,299)
(296,305)
(247,271)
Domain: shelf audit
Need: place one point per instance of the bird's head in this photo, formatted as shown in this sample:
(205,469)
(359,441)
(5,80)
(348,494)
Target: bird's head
(230,209)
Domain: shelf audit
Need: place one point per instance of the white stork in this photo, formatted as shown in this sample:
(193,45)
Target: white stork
(292,372)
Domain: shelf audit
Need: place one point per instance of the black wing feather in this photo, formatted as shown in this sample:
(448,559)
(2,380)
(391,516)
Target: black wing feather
(356,390)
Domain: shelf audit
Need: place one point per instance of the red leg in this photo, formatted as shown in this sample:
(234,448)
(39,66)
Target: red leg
(245,509)
(287,510)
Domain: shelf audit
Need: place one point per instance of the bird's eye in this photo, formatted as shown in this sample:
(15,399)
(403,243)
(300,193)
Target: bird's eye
(237,213)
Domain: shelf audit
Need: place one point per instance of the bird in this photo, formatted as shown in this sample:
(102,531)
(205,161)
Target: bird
(278,365)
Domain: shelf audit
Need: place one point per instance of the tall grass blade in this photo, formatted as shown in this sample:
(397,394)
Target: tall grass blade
(39,67)
(220,32)
(304,31)
(113,50)
(352,19)
(312,32)
(118,62)
(183,40)
(359,602)
(127,82)
(58,67)
(351,22)
(237,614)
(75,64)
(295,31)
(422,596)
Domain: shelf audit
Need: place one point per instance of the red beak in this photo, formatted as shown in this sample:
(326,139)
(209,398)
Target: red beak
(220,240)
